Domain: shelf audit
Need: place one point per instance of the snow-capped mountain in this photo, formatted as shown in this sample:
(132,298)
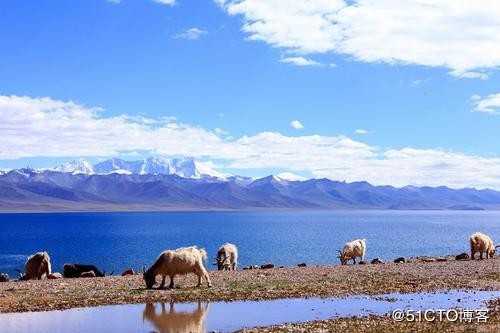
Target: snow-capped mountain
(76,167)
(182,167)
(46,190)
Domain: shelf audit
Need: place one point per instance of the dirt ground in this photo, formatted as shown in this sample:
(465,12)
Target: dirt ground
(45,295)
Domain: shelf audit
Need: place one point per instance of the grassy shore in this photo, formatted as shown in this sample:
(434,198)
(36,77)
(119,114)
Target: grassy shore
(324,281)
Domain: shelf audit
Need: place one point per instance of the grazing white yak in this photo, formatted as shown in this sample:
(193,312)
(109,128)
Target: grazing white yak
(37,266)
(351,250)
(177,262)
(227,257)
(480,242)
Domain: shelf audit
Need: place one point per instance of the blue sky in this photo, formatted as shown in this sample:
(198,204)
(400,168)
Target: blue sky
(425,93)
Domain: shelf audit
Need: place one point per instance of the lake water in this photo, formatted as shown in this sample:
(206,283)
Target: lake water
(228,317)
(115,241)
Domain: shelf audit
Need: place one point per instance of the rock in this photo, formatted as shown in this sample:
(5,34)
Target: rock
(441,259)
(427,259)
(54,276)
(89,274)
(377,261)
(267,266)
(302,264)
(4,277)
(462,256)
(362,262)
(129,271)
(400,260)
(250,267)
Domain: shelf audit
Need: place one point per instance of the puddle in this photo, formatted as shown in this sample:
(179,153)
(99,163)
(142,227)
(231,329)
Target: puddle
(231,316)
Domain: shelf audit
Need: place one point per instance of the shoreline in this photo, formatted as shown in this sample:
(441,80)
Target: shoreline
(373,323)
(250,209)
(317,281)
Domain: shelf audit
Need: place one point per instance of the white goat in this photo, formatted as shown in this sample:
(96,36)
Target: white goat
(178,262)
(480,242)
(351,250)
(37,266)
(227,257)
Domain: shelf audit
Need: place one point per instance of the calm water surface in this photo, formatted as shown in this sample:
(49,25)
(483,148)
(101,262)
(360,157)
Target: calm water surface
(227,317)
(115,241)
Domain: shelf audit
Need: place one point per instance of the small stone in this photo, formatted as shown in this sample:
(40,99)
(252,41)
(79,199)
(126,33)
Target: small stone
(267,266)
(4,277)
(400,260)
(428,259)
(362,262)
(89,274)
(129,271)
(462,256)
(302,264)
(54,276)
(377,261)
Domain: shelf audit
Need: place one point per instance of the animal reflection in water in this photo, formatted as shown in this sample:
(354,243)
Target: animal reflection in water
(171,321)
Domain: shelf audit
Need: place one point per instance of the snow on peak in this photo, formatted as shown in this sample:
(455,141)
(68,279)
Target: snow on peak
(76,167)
(182,167)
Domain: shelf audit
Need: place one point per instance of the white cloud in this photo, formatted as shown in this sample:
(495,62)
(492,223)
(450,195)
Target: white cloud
(290,176)
(191,34)
(462,36)
(35,127)
(299,61)
(470,75)
(296,124)
(361,131)
(114,1)
(489,104)
(165,2)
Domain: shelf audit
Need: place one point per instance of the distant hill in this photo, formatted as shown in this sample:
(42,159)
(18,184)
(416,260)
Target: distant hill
(136,186)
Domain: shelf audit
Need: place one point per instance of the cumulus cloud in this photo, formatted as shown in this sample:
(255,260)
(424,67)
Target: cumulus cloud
(191,34)
(299,61)
(361,131)
(296,124)
(34,127)
(461,36)
(489,104)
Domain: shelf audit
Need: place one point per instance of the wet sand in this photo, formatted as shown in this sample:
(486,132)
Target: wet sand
(45,295)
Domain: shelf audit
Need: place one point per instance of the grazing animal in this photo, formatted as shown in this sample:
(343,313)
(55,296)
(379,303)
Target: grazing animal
(480,242)
(37,266)
(351,250)
(227,257)
(182,261)
(174,320)
(76,270)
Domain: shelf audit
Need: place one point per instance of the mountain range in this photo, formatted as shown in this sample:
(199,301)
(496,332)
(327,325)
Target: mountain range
(184,184)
